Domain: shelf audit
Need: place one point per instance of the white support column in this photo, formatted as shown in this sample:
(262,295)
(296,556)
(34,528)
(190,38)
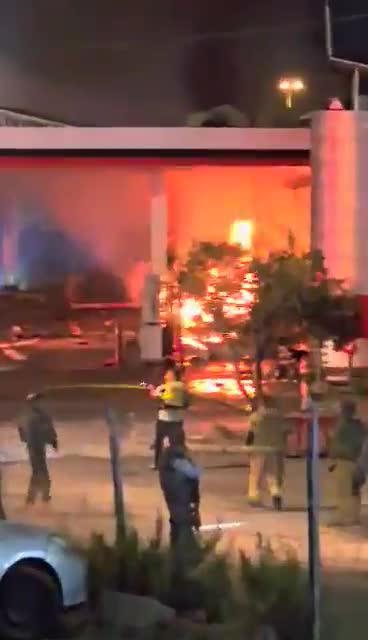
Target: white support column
(10,249)
(159,224)
(340,203)
(151,330)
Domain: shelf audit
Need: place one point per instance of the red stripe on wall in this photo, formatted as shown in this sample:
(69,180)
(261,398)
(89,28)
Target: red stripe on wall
(363,304)
(141,160)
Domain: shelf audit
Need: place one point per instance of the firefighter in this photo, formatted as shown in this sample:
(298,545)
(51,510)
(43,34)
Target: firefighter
(346,450)
(267,438)
(36,430)
(283,361)
(179,481)
(174,400)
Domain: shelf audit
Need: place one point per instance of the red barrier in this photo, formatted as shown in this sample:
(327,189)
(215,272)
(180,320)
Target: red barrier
(298,438)
(363,306)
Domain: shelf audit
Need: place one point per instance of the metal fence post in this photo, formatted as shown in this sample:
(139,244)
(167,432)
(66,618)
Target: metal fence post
(2,510)
(313,522)
(118,344)
(117,476)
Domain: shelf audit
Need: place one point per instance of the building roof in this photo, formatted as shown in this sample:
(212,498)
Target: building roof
(156,139)
(18,117)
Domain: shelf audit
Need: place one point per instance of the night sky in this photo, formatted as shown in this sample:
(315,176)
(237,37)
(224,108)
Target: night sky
(152,62)
(350,29)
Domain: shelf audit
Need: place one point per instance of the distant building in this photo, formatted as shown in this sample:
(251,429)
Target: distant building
(10,118)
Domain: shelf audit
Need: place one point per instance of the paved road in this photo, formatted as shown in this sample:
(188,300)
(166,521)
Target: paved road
(59,353)
(81,474)
(82,496)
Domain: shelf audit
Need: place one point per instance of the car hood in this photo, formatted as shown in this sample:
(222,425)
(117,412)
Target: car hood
(18,529)
(17,539)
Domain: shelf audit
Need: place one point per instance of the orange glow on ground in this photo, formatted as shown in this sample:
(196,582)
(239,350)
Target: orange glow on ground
(222,386)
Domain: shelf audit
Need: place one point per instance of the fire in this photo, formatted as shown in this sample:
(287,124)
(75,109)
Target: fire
(191,310)
(189,341)
(241,232)
(227,386)
(199,330)
(214,339)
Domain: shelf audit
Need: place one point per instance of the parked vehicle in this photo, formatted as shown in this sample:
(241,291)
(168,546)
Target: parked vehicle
(42,578)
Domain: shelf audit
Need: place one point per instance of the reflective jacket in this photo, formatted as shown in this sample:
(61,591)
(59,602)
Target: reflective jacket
(269,428)
(174,400)
(174,394)
(348,439)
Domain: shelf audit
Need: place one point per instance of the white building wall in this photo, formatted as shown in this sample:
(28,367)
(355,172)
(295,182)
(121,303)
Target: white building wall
(339,153)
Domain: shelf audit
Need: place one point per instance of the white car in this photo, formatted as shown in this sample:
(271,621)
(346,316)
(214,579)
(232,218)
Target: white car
(41,578)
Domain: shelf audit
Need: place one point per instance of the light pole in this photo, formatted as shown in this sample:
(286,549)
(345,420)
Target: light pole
(291,87)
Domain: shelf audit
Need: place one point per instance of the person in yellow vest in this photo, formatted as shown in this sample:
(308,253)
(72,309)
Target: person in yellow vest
(174,400)
(267,439)
(348,465)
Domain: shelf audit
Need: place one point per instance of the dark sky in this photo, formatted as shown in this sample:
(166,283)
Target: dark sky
(152,62)
(350,29)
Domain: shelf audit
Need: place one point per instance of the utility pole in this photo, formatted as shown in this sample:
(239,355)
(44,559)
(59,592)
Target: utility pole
(355,89)
(2,510)
(313,521)
(113,424)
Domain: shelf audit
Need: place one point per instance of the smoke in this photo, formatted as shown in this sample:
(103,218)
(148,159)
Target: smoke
(79,216)
(135,279)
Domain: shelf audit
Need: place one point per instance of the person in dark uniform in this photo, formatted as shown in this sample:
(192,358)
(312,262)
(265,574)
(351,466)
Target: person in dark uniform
(179,480)
(36,430)
(347,452)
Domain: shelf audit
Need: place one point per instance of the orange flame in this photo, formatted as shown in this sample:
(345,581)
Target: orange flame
(241,233)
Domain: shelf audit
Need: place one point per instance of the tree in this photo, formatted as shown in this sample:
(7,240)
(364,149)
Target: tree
(221,116)
(295,300)
(215,297)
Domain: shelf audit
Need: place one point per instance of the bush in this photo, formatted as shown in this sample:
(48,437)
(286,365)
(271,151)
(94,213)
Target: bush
(275,593)
(130,566)
(266,591)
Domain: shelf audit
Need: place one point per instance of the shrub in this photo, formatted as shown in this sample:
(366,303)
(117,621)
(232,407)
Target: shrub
(274,592)
(130,565)
(220,601)
(266,591)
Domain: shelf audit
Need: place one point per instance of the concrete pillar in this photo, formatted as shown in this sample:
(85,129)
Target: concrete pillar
(151,331)
(159,224)
(10,249)
(340,202)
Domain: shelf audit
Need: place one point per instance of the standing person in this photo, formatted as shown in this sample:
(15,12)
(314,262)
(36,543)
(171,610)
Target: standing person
(283,361)
(174,400)
(179,481)
(267,437)
(36,430)
(348,453)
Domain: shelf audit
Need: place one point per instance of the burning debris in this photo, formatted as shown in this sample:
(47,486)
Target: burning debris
(210,321)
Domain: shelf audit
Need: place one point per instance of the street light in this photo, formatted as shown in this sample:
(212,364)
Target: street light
(290,87)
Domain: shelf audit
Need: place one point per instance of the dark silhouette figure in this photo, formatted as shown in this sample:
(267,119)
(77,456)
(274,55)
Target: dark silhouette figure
(179,480)
(37,431)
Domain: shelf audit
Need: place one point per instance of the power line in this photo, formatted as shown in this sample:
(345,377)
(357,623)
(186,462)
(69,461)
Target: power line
(351,18)
(235,34)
